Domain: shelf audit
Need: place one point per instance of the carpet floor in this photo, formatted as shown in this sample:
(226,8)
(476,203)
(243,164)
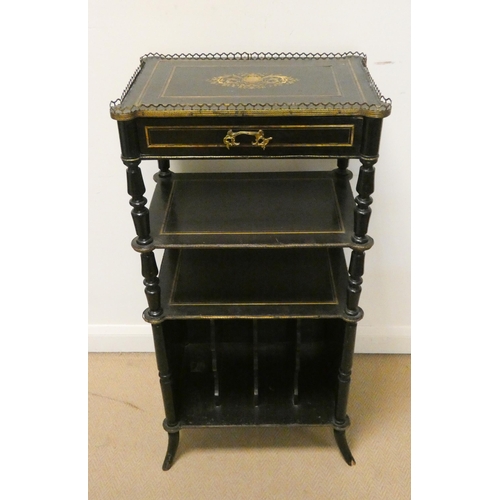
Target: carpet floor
(127,443)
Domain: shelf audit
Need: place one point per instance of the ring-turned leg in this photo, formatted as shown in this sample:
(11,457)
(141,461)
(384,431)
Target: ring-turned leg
(140,213)
(170,422)
(344,379)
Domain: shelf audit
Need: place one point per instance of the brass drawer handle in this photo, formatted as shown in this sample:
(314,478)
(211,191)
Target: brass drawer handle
(260,140)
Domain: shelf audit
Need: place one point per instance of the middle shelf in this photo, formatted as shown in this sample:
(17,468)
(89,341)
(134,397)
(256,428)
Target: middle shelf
(253,283)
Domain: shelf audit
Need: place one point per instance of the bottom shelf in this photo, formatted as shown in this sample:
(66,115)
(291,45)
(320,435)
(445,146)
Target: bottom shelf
(254,372)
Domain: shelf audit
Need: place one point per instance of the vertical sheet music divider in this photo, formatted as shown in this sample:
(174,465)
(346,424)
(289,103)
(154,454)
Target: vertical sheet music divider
(214,363)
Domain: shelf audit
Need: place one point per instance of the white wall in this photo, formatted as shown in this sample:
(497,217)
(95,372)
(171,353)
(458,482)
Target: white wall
(122,31)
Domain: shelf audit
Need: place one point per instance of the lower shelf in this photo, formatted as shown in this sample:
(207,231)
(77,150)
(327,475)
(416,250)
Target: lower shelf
(254,372)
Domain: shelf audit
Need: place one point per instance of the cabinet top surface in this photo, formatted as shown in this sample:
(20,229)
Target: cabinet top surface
(251,84)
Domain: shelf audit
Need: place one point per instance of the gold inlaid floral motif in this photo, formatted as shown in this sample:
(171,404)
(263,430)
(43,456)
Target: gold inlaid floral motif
(252,80)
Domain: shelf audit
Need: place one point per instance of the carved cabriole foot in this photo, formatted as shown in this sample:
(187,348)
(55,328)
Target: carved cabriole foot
(173,443)
(341,440)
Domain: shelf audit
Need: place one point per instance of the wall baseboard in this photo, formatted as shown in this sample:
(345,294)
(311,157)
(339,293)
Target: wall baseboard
(138,338)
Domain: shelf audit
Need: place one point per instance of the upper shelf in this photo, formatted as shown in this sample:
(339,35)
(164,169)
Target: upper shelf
(264,209)
(249,84)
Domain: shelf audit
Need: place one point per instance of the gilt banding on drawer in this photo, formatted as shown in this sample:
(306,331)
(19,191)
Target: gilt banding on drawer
(290,136)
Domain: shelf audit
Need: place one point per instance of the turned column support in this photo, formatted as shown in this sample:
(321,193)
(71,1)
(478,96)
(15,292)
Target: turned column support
(140,216)
(164,166)
(372,129)
(355,280)
(342,171)
(342,167)
(151,283)
(364,187)
(136,190)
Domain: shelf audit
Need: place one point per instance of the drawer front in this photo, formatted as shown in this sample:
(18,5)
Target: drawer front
(233,138)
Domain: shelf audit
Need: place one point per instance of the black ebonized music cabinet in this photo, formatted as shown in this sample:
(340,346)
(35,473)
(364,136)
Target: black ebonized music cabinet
(253,308)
